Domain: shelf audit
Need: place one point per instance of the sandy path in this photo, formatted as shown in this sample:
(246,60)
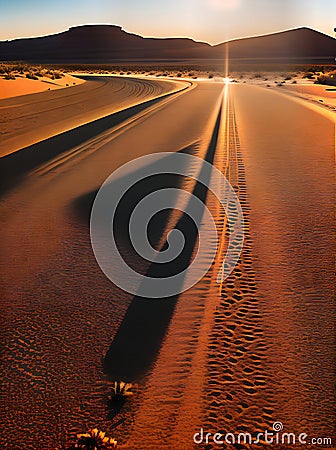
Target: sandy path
(233,359)
(32,118)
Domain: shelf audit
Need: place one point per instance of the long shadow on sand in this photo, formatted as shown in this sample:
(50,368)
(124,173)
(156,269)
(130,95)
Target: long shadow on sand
(140,335)
(15,166)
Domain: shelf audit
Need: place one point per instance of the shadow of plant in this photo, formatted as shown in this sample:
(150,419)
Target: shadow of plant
(120,391)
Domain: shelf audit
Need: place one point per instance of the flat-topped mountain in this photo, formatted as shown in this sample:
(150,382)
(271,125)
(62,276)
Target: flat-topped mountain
(108,43)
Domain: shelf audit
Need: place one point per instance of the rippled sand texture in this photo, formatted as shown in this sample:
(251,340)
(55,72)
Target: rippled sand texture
(290,179)
(213,365)
(60,313)
(228,358)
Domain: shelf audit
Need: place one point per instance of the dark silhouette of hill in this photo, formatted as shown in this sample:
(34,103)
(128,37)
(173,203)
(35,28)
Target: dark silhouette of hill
(297,43)
(108,43)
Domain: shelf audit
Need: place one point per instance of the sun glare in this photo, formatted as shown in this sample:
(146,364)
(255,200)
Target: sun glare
(227,80)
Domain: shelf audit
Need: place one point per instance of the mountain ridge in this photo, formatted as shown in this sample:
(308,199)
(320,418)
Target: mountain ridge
(108,43)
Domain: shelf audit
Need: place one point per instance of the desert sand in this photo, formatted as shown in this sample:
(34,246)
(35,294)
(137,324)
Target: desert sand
(25,86)
(218,356)
(28,120)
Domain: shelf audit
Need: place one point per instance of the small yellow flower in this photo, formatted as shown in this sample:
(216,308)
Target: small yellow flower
(95,439)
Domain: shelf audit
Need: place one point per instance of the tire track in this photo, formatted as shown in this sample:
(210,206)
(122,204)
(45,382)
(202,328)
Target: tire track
(238,396)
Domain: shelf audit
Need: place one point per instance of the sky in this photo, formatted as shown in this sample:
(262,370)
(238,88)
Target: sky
(210,21)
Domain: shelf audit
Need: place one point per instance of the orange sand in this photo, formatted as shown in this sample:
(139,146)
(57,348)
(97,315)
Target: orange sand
(31,119)
(238,357)
(315,92)
(24,86)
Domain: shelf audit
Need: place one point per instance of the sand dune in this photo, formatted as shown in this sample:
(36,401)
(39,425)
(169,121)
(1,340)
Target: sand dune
(30,119)
(25,86)
(325,95)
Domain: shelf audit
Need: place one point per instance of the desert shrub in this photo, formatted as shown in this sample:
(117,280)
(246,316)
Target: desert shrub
(94,440)
(31,76)
(210,76)
(121,390)
(309,76)
(326,80)
(9,76)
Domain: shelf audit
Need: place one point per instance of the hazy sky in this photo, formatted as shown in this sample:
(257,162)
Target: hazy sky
(206,20)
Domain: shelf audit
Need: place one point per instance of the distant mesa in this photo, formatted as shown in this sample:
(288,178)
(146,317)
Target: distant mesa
(110,43)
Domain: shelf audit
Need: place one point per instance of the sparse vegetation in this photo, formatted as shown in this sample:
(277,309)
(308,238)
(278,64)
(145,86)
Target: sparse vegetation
(246,72)
(327,80)
(120,391)
(9,76)
(309,76)
(11,71)
(94,440)
(31,76)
